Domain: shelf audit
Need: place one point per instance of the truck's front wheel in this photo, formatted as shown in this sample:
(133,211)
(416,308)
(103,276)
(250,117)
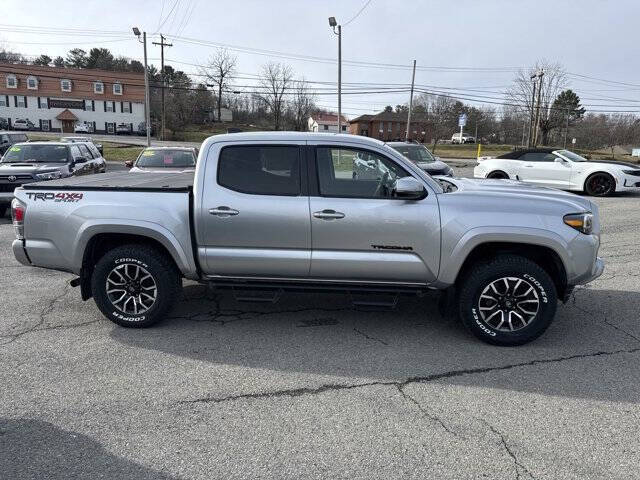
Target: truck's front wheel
(134,285)
(508,301)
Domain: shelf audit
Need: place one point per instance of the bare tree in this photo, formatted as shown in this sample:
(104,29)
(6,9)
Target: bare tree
(275,80)
(219,70)
(554,81)
(302,105)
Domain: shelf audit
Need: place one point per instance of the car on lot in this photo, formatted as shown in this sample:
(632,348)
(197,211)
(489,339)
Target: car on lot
(271,211)
(423,158)
(82,140)
(10,138)
(455,138)
(142,129)
(37,161)
(123,129)
(82,127)
(23,124)
(562,169)
(165,160)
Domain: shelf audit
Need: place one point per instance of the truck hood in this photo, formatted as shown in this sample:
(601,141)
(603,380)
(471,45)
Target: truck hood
(163,170)
(522,190)
(28,168)
(435,166)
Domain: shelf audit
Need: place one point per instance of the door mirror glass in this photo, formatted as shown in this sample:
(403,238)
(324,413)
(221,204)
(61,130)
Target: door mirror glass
(559,160)
(409,188)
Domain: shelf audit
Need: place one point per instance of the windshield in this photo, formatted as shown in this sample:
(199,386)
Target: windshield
(415,153)
(29,153)
(574,157)
(166,158)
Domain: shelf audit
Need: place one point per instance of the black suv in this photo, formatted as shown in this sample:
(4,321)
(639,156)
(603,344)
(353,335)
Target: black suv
(9,138)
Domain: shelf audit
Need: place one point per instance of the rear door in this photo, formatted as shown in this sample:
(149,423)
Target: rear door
(254,212)
(360,232)
(541,168)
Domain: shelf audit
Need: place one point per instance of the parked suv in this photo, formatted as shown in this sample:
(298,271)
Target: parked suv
(82,140)
(455,138)
(23,124)
(279,210)
(37,161)
(9,138)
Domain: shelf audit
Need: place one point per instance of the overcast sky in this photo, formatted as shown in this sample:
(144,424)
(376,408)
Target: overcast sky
(488,40)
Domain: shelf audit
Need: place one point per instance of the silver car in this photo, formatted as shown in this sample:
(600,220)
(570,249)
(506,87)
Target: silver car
(423,158)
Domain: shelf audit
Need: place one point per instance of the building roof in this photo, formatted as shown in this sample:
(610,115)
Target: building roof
(362,118)
(82,81)
(328,118)
(390,117)
(66,114)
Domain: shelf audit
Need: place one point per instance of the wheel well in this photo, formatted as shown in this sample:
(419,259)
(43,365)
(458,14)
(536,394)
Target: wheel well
(598,173)
(545,257)
(100,244)
(493,172)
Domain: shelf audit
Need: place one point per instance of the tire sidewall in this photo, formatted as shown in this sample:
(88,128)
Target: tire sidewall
(588,190)
(164,282)
(537,278)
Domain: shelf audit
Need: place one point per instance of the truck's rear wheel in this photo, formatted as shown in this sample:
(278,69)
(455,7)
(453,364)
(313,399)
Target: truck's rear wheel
(507,301)
(134,285)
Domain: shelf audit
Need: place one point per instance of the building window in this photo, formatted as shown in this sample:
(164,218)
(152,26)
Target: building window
(65,85)
(12,81)
(98,87)
(344,128)
(126,107)
(43,102)
(89,105)
(381,127)
(109,106)
(110,127)
(20,101)
(117,89)
(32,83)
(4,102)
(45,125)
(325,127)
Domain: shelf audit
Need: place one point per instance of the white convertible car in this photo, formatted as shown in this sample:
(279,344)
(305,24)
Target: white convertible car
(561,169)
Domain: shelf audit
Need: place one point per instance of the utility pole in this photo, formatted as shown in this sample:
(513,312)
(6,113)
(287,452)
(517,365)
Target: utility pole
(524,127)
(147,114)
(413,78)
(566,130)
(333,24)
(537,123)
(162,74)
(533,103)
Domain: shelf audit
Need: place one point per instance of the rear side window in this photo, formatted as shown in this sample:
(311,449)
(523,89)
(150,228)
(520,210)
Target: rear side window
(260,170)
(538,157)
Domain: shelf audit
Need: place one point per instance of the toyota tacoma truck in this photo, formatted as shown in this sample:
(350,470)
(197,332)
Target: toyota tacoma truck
(276,211)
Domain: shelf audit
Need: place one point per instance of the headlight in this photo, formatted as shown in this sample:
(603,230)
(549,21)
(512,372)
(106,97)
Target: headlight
(635,173)
(48,176)
(583,222)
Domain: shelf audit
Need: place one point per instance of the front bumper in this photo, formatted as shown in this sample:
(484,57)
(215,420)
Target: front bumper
(20,253)
(628,183)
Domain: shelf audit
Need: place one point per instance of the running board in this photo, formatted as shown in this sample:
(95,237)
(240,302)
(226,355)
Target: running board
(389,301)
(266,295)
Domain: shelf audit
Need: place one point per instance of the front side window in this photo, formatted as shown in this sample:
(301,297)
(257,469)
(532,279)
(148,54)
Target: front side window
(34,153)
(75,152)
(12,81)
(344,172)
(574,157)
(98,87)
(415,153)
(65,85)
(84,151)
(166,158)
(260,170)
(117,89)
(32,83)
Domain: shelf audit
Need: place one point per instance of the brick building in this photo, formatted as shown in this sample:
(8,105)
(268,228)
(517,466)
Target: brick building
(55,99)
(389,126)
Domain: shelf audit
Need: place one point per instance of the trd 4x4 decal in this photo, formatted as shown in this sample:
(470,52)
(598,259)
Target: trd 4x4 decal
(55,196)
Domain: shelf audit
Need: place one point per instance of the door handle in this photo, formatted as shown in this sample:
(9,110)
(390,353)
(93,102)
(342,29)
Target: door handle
(223,211)
(328,214)
(529,165)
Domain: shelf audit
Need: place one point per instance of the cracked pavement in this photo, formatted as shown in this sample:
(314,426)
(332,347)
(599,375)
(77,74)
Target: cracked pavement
(312,387)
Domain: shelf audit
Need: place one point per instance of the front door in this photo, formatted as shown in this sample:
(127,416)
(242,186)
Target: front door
(542,169)
(67,126)
(253,220)
(360,231)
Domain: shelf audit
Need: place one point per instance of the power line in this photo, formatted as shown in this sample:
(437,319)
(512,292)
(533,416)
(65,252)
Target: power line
(358,14)
(167,17)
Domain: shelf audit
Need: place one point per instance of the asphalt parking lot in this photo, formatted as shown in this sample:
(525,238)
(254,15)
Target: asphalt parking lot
(313,388)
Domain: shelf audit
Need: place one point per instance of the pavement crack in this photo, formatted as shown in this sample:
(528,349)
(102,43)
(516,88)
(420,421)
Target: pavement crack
(298,392)
(424,411)
(518,465)
(369,337)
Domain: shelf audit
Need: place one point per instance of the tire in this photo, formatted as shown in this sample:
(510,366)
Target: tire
(498,174)
(525,280)
(127,265)
(599,185)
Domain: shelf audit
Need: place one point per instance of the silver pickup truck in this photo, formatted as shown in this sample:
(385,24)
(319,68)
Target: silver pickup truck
(274,211)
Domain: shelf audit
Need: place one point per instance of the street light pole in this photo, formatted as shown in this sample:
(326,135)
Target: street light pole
(333,24)
(147,114)
(413,79)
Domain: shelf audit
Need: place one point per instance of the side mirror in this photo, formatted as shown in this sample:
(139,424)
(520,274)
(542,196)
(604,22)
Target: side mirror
(409,188)
(559,160)
(80,160)
(128,163)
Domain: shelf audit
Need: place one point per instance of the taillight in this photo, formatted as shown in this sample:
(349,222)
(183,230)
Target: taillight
(17,215)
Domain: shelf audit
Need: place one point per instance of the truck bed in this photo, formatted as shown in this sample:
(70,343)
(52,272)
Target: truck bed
(170,182)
